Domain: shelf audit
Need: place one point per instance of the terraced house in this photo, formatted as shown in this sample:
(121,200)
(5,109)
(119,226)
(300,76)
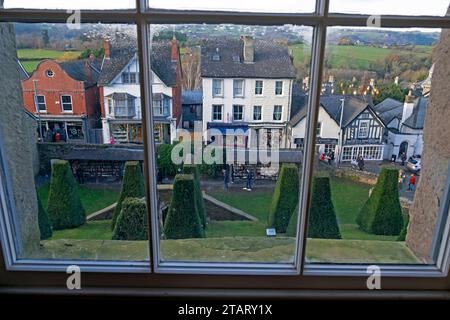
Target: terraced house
(247,86)
(120,92)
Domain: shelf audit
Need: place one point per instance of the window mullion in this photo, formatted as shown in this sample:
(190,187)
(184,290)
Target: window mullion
(145,74)
(317,57)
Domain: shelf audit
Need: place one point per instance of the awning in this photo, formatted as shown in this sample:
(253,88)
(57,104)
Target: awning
(223,127)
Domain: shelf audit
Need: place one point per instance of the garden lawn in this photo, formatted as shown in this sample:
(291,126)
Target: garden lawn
(92,198)
(30,58)
(91,230)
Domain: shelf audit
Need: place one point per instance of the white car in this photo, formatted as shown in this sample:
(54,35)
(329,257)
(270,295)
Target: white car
(414,165)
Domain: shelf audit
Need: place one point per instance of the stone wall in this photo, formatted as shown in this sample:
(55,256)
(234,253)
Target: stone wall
(436,156)
(16,144)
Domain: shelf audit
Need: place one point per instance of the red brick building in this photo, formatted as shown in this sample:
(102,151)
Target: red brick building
(65,99)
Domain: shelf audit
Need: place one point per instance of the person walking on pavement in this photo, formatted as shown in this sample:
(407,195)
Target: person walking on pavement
(249,178)
(412,182)
(403,158)
(226,176)
(360,162)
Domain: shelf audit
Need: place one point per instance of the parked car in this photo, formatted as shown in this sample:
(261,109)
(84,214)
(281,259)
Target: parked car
(414,164)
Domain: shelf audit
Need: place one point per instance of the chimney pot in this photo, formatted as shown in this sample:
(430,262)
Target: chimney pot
(107,48)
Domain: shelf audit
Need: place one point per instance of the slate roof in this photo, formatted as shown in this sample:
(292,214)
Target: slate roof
(354,105)
(389,109)
(192,97)
(162,64)
(417,118)
(76,69)
(120,96)
(271,60)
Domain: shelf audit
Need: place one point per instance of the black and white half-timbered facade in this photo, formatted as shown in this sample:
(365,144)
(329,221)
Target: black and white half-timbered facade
(364,135)
(347,125)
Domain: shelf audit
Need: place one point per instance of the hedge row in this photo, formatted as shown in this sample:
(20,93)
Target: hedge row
(45,226)
(194,170)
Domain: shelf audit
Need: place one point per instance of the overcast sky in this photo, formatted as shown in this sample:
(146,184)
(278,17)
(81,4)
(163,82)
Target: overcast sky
(411,7)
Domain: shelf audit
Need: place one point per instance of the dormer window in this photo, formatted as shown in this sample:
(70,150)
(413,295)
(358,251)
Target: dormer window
(236,59)
(216,57)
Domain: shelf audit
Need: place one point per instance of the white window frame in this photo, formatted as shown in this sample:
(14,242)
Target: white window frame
(242,112)
(258,88)
(65,103)
(38,109)
(214,94)
(236,95)
(275,112)
(365,122)
(213,112)
(320,21)
(260,113)
(276,87)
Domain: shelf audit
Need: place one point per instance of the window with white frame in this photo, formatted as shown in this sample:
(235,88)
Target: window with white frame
(304,245)
(363,129)
(40,104)
(257,113)
(259,87)
(129,78)
(217,112)
(217,88)
(238,88)
(66,103)
(278,88)
(238,112)
(277,112)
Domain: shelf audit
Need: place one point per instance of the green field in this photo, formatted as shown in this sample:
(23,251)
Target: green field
(30,58)
(353,57)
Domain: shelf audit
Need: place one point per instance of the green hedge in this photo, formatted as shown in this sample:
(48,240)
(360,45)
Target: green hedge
(65,209)
(402,235)
(194,170)
(183,220)
(322,217)
(132,187)
(45,226)
(285,198)
(382,213)
(291,230)
(132,223)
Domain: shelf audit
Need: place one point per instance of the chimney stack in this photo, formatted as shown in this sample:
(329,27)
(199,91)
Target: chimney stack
(174,49)
(249,49)
(107,48)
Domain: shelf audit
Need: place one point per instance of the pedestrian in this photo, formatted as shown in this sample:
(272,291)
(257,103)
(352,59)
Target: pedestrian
(232,173)
(78,172)
(360,162)
(412,182)
(226,177)
(331,157)
(403,158)
(249,178)
(401,179)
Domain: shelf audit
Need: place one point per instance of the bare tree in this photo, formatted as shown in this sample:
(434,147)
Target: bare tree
(191,71)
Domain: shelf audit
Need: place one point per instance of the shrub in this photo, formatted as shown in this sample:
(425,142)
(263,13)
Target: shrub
(322,217)
(132,187)
(402,235)
(164,160)
(65,209)
(132,223)
(194,170)
(45,226)
(285,198)
(382,213)
(291,230)
(183,220)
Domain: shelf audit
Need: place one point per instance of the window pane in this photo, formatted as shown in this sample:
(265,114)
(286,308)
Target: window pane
(68,165)
(387,7)
(302,6)
(375,159)
(235,195)
(79,4)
